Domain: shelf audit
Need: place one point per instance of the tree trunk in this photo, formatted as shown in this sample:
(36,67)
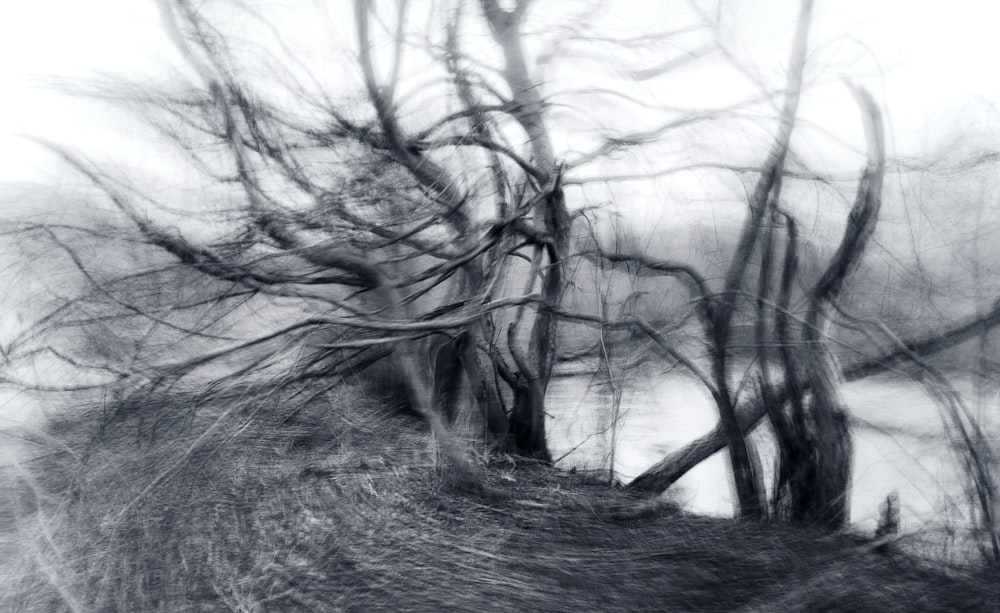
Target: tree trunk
(667,471)
(794,448)
(527,417)
(447,374)
(485,394)
(551,219)
(820,491)
(749,486)
(527,422)
(823,489)
(746,476)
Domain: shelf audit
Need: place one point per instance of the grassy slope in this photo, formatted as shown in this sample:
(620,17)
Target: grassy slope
(336,504)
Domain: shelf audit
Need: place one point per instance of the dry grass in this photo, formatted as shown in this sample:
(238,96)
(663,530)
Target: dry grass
(258,502)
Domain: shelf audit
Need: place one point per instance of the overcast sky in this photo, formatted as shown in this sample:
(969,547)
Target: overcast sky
(936,59)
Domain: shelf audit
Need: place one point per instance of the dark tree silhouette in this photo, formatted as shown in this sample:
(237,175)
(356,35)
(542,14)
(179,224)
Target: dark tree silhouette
(429,232)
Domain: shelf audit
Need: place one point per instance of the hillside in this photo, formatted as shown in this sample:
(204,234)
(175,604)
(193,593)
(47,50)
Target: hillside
(267,502)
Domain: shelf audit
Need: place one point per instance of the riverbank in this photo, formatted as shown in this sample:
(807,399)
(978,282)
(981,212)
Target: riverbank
(901,444)
(259,503)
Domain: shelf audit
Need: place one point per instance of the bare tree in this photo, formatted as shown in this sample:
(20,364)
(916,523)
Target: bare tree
(717,311)
(357,226)
(808,418)
(375,225)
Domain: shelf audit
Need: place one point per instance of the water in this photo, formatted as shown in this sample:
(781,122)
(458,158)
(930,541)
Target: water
(900,444)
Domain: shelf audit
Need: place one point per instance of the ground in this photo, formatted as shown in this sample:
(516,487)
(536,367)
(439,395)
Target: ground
(342,505)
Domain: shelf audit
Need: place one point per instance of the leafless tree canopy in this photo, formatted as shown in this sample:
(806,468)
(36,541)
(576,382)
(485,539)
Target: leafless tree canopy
(429,200)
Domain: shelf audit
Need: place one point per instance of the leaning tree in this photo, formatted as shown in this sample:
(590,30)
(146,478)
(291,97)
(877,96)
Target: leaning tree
(409,204)
(419,201)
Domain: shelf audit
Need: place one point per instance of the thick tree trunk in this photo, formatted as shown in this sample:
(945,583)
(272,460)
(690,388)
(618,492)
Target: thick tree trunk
(527,422)
(527,417)
(794,448)
(447,375)
(822,489)
(464,361)
(551,220)
(485,394)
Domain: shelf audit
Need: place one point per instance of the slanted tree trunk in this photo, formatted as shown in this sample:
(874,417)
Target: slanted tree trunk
(742,457)
(551,222)
(789,426)
(747,477)
(821,490)
(779,421)
(523,429)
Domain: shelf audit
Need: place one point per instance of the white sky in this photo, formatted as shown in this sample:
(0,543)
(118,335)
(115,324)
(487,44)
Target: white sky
(937,57)
(42,39)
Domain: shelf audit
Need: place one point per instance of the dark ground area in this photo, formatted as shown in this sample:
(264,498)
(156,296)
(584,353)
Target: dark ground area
(318,508)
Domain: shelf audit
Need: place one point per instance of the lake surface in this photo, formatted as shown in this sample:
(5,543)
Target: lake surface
(900,444)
